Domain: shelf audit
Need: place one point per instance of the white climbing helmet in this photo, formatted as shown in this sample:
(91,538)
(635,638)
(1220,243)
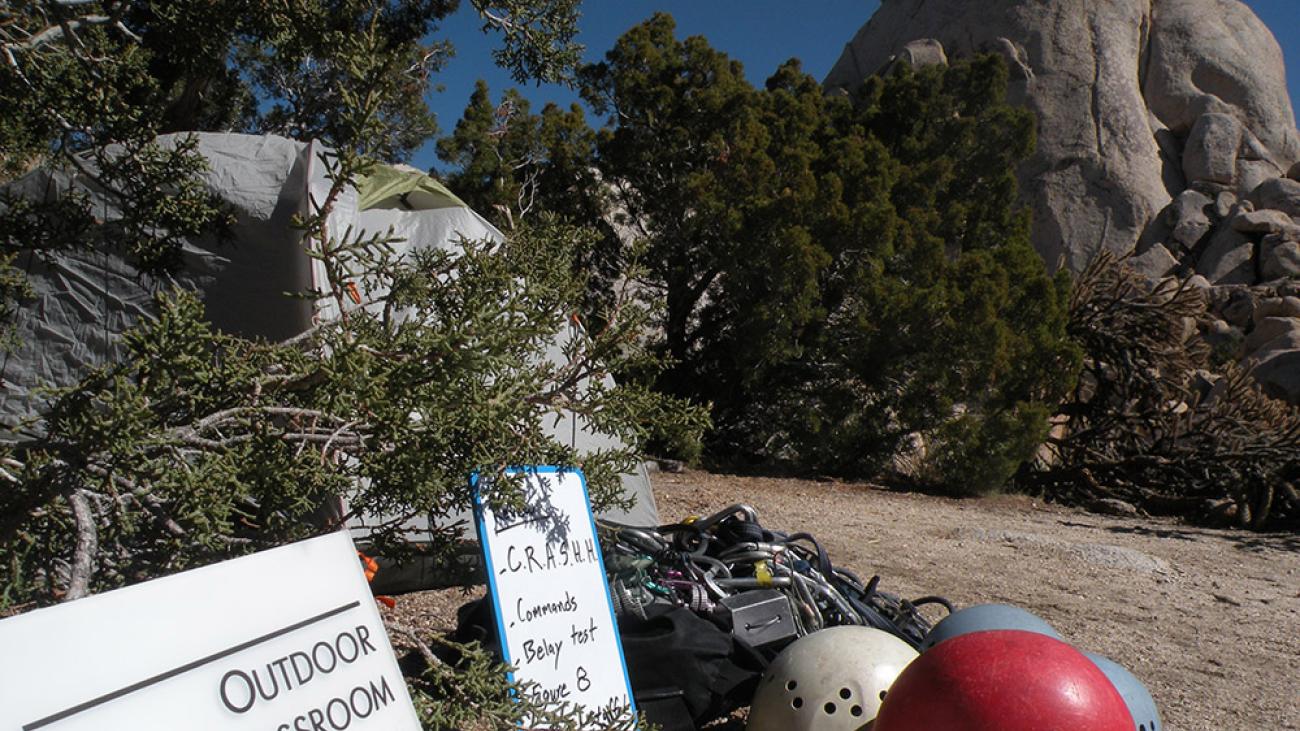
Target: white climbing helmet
(829,680)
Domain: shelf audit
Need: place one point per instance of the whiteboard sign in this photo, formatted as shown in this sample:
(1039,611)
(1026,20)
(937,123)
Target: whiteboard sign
(552,604)
(284,640)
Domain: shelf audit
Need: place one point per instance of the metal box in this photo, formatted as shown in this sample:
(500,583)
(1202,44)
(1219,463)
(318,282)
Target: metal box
(761,617)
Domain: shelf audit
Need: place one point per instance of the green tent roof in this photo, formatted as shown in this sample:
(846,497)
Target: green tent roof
(411,190)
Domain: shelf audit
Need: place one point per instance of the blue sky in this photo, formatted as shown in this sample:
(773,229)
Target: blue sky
(760,33)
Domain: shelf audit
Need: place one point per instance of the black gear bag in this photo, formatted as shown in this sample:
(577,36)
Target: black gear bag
(684,670)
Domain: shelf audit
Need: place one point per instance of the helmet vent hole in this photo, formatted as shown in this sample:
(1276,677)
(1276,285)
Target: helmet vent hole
(829,708)
(791,685)
(1142,727)
(797,702)
(882,695)
(845,693)
(856,711)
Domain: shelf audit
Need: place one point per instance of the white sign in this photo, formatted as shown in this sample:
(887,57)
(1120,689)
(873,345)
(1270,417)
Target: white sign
(284,640)
(552,603)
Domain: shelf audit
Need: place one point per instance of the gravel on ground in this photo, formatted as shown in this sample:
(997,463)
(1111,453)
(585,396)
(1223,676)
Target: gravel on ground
(1208,619)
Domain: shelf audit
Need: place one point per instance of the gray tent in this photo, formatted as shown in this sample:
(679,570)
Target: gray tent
(85,300)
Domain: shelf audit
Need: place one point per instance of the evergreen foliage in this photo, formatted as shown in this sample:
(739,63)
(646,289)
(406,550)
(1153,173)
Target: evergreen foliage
(676,109)
(158,66)
(838,273)
(511,164)
(833,274)
(199,445)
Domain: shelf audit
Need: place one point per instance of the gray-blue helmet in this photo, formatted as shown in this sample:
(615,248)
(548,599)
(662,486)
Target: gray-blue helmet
(1135,694)
(984,617)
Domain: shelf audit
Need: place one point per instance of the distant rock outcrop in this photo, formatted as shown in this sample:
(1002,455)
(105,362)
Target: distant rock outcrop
(1165,131)
(1137,101)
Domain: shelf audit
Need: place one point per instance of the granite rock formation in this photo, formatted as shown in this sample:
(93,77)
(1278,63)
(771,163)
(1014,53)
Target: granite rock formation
(1165,132)
(1137,101)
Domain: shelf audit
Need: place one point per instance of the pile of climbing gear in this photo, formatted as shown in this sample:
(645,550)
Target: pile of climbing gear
(767,587)
(704,606)
(721,612)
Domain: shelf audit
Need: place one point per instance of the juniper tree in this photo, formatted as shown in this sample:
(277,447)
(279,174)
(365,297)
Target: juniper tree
(675,108)
(510,163)
(838,273)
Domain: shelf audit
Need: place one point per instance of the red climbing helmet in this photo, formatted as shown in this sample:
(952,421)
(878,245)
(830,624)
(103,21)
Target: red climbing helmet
(1003,680)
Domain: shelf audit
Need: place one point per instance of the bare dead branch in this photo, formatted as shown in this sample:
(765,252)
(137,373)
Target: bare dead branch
(1138,430)
(87,546)
(432,660)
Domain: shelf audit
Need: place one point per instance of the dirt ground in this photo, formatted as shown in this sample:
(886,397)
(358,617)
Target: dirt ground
(1208,619)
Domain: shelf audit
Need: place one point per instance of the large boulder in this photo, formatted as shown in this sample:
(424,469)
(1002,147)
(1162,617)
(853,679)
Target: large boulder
(1279,194)
(1279,258)
(1137,100)
(1217,56)
(1187,217)
(1210,154)
(1278,307)
(923,52)
(1154,263)
(1227,259)
(1269,334)
(1278,375)
(1266,221)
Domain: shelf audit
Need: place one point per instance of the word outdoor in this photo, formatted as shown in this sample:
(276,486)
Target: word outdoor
(240,689)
